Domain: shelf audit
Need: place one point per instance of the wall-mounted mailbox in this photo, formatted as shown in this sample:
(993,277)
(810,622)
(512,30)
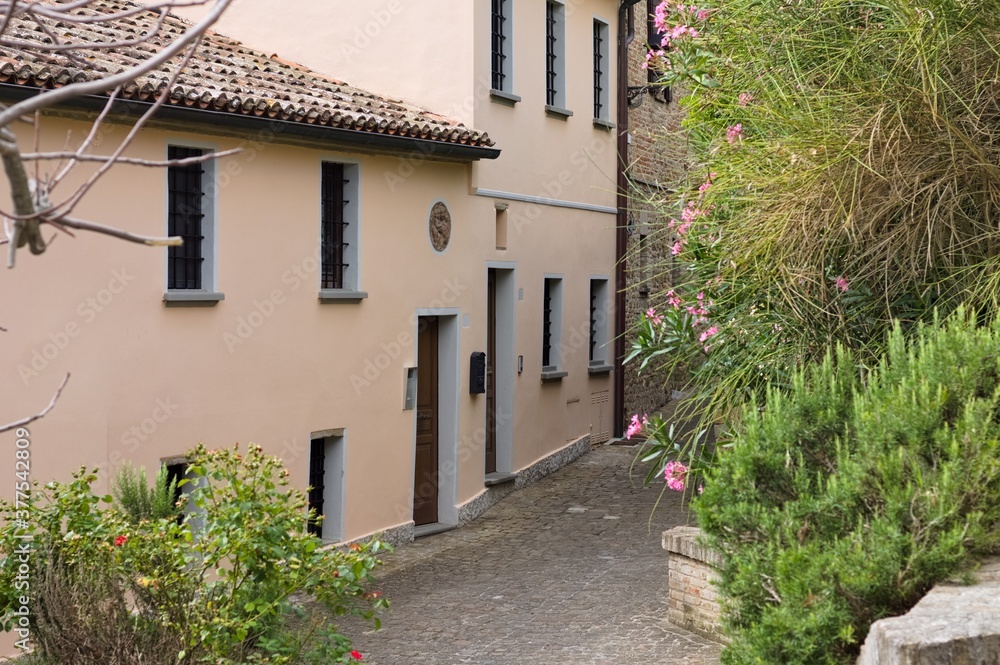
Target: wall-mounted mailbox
(477,373)
(410,400)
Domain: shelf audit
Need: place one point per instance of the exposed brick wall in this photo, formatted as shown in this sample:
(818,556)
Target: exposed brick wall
(693,603)
(657,161)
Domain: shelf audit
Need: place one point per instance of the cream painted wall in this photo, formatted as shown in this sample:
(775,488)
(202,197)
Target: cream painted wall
(566,159)
(415,50)
(94,305)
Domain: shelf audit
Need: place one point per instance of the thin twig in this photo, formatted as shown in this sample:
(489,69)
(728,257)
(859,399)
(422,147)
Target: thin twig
(34,156)
(87,141)
(83,225)
(41,414)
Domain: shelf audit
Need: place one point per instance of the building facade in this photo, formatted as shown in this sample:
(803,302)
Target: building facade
(414,314)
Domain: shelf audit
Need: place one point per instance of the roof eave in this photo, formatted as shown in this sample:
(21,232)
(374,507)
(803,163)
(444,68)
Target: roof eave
(290,131)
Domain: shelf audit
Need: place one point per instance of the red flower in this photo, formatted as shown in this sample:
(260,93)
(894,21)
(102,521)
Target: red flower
(356,655)
(120,540)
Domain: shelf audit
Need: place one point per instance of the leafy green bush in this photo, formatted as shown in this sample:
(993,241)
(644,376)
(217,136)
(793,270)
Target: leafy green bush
(220,587)
(139,501)
(846,499)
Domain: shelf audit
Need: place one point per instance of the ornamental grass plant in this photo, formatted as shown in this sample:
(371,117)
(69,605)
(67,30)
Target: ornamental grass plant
(847,177)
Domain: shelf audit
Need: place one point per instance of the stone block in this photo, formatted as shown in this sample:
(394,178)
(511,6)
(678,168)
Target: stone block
(951,625)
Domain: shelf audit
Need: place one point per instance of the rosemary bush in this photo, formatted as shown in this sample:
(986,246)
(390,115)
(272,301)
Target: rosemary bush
(139,501)
(845,501)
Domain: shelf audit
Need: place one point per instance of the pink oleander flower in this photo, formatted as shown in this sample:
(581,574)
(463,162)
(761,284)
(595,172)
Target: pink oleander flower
(673,299)
(653,317)
(745,98)
(734,133)
(676,249)
(675,474)
(636,425)
(714,330)
(701,489)
(701,296)
(842,284)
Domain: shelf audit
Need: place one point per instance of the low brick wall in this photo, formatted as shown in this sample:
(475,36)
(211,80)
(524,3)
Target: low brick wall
(693,603)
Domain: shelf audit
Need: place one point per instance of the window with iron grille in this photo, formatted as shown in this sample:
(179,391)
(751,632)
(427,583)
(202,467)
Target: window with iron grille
(555,56)
(317,485)
(598,321)
(551,324)
(335,246)
(547,324)
(602,109)
(186,218)
(326,484)
(655,42)
(500,46)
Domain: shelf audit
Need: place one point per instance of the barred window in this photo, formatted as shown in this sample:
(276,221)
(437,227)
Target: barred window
(602,108)
(317,485)
(551,43)
(334,242)
(552,304)
(500,46)
(186,218)
(547,324)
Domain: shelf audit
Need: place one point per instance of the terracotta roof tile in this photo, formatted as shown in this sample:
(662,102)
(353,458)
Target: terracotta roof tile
(223,76)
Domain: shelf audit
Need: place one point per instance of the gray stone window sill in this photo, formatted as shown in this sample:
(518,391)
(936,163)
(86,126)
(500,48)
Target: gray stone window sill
(603,124)
(192,298)
(338,296)
(557,112)
(553,374)
(496,478)
(505,98)
(600,369)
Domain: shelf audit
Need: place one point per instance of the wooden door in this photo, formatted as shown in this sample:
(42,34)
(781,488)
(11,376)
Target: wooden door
(491,376)
(425,483)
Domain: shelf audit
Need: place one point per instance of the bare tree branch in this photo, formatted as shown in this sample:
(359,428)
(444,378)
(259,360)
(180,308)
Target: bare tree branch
(41,414)
(207,157)
(82,225)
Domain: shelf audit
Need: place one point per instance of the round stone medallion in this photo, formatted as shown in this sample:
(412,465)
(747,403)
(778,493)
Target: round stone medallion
(440,226)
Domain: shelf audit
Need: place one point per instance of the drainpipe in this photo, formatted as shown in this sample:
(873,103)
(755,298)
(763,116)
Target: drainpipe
(626,33)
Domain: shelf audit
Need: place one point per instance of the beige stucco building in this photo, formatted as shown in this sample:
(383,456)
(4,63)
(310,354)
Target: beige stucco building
(345,271)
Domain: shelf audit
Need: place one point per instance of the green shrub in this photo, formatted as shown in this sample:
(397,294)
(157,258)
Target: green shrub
(220,588)
(139,501)
(848,498)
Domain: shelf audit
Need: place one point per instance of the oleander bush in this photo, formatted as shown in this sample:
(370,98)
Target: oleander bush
(226,585)
(844,177)
(849,496)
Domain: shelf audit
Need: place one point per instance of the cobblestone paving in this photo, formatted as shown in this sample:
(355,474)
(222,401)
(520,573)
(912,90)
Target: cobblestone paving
(567,571)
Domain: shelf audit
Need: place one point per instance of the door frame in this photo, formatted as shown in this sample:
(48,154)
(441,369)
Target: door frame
(505,367)
(449,319)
